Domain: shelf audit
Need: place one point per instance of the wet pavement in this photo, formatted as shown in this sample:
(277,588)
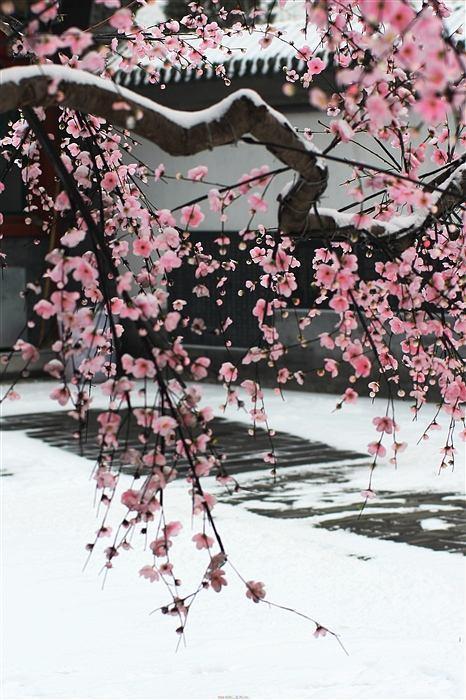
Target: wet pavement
(315,482)
(325,498)
(244,452)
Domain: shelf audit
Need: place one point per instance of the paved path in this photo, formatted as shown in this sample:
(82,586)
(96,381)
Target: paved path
(324,498)
(244,451)
(313,482)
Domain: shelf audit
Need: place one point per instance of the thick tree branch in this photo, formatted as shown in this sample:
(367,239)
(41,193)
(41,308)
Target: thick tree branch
(175,132)
(182,133)
(398,233)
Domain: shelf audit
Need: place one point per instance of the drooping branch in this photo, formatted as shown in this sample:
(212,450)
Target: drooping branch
(176,132)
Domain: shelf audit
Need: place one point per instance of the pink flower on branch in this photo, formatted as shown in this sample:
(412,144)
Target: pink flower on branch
(255,590)
(228,372)
(376,449)
(217,580)
(150,573)
(202,541)
(198,173)
(192,216)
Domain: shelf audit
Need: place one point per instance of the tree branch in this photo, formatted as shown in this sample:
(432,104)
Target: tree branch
(182,133)
(176,132)
(401,231)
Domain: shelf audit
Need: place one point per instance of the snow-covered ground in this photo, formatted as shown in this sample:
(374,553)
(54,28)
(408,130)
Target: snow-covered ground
(399,611)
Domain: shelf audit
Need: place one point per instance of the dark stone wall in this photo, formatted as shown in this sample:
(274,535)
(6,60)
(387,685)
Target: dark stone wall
(25,262)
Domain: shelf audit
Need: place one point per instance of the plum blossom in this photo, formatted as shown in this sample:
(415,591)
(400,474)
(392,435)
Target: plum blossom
(150,573)
(255,590)
(165,425)
(315,66)
(202,541)
(228,372)
(29,353)
(342,129)
(198,173)
(384,424)
(217,580)
(376,449)
(110,181)
(192,216)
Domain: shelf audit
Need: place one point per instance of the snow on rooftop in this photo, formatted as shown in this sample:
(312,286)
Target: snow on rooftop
(240,53)
(154,11)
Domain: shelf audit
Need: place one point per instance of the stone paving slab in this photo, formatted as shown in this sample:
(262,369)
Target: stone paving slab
(244,452)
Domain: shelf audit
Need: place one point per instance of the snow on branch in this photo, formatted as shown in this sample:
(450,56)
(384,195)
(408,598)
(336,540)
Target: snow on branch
(402,230)
(176,132)
(181,133)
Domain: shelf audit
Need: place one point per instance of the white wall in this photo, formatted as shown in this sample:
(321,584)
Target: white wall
(226,165)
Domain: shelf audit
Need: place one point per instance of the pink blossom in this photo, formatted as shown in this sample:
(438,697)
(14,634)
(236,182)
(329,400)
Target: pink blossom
(378,110)
(159,172)
(198,173)
(199,367)
(350,396)
(315,66)
(160,547)
(376,449)
(76,40)
(84,272)
(202,541)
(325,275)
(60,394)
(165,425)
(130,499)
(257,203)
(362,366)
(341,129)
(72,237)
(339,303)
(104,532)
(255,591)
(228,372)
(192,216)
(143,247)
(432,108)
(399,447)
(384,424)
(286,283)
(93,61)
(169,261)
(143,368)
(110,181)
(172,528)
(54,368)
(172,319)
(105,479)
(149,572)
(45,309)
(217,579)
(122,20)
(165,217)
(331,366)
(29,352)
